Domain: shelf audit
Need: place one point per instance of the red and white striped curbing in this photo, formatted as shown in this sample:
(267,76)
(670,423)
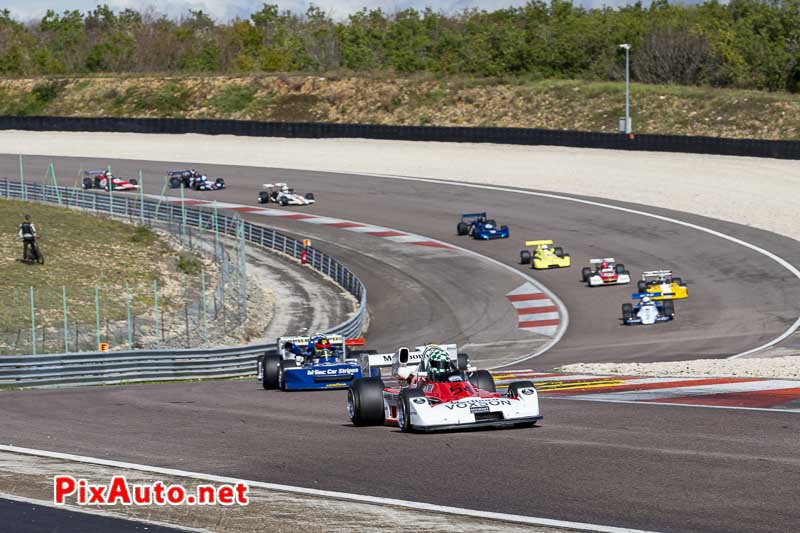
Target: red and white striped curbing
(536,312)
(389,234)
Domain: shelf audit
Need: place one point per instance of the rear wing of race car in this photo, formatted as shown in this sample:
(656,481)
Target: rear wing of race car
(403,356)
(466,216)
(656,274)
(271,185)
(598,261)
(538,243)
(337,342)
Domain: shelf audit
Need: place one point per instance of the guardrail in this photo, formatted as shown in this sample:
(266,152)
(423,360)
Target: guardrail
(99,368)
(317,130)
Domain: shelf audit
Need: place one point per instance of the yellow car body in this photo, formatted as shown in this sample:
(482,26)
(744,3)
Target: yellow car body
(545,256)
(662,282)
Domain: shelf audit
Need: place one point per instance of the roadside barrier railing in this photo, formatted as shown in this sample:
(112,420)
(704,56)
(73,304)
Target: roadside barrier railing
(97,368)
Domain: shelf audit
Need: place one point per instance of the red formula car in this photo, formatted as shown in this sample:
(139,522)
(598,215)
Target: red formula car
(102,179)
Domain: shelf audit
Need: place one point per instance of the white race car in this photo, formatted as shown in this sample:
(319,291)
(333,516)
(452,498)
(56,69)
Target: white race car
(280,193)
(437,392)
(605,272)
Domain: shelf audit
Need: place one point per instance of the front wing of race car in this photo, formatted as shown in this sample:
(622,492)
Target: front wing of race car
(475,412)
(597,280)
(490,234)
(324,376)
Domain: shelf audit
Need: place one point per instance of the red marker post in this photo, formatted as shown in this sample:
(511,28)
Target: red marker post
(304,253)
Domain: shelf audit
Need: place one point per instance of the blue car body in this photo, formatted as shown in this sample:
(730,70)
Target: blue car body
(479,227)
(650,312)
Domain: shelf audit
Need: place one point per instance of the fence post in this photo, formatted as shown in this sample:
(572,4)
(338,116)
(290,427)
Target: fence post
(66,323)
(97,315)
(186,314)
(216,229)
(52,171)
(141,198)
(203,305)
(155,314)
(128,309)
(22,178)
(183,214)
(110,192)
(242,274)
(33,323)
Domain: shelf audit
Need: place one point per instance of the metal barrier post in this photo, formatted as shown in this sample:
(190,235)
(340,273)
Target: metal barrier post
(183,214)
(141,198)
(128,309)
(203,305)
(66,323)
(97,315)
(110,192)
(33,323)
(51,170)
(155,315)
(22,177)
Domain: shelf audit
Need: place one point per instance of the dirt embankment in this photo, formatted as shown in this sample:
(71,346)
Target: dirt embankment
(550,104)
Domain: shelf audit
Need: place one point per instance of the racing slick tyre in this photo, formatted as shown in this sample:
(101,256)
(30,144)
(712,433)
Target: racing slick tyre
(627,312)
(133,181)
(175,183)
(483,380)
(220,183)
(309,196)
(619,269)
(102,183)
(463,362)
(679,281)
(462,228)
(365,402)
(284,364)
(559,251)
(513,388)
(669,308)
(270,364)
(525,257)
(641,285)
(263,197)
(284,202)
(87,183)
(586,273)
(404,407)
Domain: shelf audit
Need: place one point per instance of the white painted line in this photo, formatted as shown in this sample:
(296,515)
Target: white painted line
(94,512)
(700,390)
(525,288)
(781,261)
(518,519)
(668,404)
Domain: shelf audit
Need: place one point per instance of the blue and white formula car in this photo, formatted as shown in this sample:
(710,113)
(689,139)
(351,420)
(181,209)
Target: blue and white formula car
(314,362)
(647,311)
(477,226)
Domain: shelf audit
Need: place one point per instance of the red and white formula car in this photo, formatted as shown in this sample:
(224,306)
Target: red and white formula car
(431,397)
(605,272)
(101,179)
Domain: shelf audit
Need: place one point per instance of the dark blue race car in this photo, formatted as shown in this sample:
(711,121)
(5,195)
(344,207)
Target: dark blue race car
(479,227)
(311,363)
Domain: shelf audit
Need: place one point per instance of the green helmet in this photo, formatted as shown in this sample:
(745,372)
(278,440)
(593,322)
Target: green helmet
(438,360)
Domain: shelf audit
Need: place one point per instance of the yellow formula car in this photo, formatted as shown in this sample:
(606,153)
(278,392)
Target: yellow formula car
(663,283)
(544,255)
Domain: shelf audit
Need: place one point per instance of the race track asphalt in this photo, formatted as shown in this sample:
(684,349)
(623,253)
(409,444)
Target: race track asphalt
(653,467)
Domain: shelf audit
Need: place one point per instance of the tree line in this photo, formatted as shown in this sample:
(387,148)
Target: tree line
(742,43)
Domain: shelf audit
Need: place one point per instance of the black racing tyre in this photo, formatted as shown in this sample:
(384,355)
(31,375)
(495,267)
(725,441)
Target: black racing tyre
(627,311)
(196,185)
(679,281)
(403,407)
(87,183)
(133,181)
(365,402)
(482,379)
(641,285)
(619,269)
(463,361)
(220,182)
(309,196)
(462,228)
(586,273)
(284,364)
(263,197)
(513,388)
(175,183)
(559,251)
(525,257)
(270,364)
(284,202)
(669,308)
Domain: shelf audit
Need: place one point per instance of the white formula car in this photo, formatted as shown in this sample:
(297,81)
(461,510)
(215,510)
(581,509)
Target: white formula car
(281,194)
(438,390)
(605,272)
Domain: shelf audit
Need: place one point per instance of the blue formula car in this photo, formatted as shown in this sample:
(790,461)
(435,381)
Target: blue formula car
(478,226)
(647,311)
(316,362)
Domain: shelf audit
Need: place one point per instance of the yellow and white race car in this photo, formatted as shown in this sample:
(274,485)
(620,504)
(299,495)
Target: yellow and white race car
(663,283)
(544,255)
